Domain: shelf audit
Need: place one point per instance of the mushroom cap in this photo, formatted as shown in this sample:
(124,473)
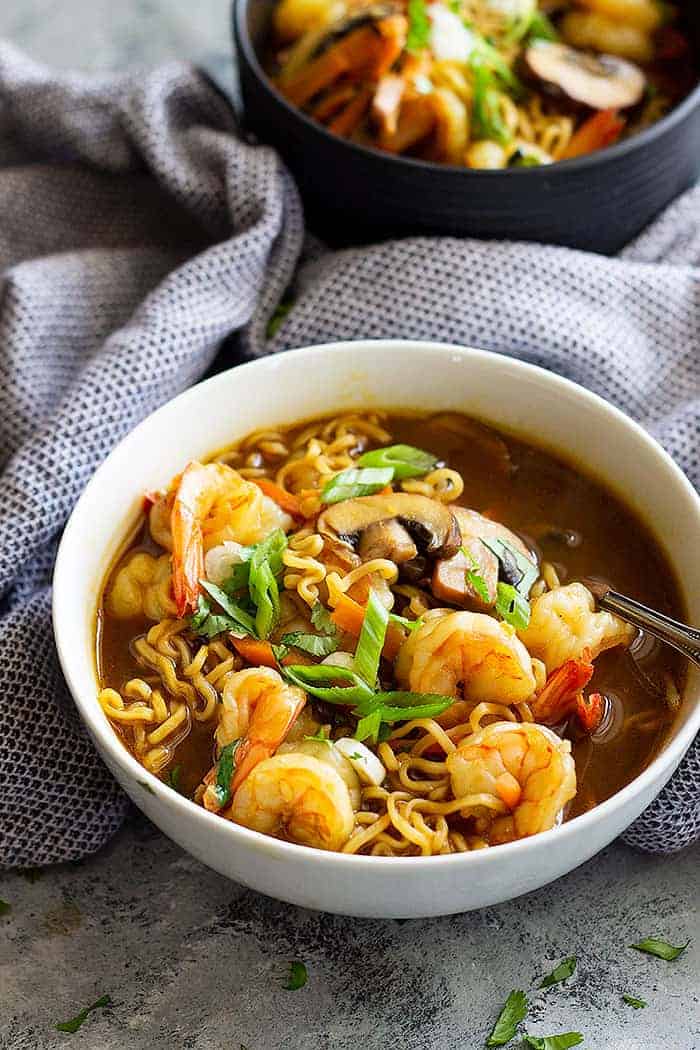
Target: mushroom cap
(598,81)
(430,524)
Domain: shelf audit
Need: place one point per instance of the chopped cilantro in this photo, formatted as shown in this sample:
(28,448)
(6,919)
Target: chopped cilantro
(75,1022)
(512,606)
(173,780)
(661,949)
(513,1012)
(560,972)
(227,764)
(314,644)
(553,1042)
(321,619)
(297,976)
(637,1004)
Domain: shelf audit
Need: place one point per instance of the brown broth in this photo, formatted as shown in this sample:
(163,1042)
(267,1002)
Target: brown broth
(545,499)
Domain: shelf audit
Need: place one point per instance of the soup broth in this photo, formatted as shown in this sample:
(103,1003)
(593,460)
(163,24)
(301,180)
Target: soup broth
(572,527)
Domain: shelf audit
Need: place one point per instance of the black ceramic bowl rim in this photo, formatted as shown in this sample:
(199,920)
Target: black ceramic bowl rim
(620,149)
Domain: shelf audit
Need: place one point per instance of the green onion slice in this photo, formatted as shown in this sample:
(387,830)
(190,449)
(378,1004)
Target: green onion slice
(317,681)
(405,460)
(356,482)
(371,641)
(522,573)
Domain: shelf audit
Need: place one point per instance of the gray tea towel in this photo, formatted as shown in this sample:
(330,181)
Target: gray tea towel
(138,231)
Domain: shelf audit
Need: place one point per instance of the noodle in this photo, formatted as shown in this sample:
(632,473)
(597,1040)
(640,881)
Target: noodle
(178,684)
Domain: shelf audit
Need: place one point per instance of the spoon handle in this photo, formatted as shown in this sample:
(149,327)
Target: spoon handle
(685,639)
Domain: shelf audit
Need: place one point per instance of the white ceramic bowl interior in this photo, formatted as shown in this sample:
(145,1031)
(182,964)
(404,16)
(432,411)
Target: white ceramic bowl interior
(368,375)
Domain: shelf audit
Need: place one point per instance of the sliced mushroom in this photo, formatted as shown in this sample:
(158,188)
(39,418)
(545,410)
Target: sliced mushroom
(429,524)
(598,81)
(450,582)
(386,539)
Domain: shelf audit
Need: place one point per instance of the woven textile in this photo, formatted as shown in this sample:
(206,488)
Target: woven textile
(137,232)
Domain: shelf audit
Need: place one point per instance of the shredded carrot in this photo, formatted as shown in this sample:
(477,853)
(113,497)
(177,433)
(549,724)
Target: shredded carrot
(255,652)
(260,654)
(286,500)
(349,615)
(600,130)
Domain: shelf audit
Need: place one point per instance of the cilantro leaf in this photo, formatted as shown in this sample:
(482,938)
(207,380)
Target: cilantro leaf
(321,619)
(553,1042)
(560,972)
(4,907)
(418,26)
(173,780)
(513,1012)
(227,764)
(313,644)
(512,607)
(297,976)
(661,949)
(239,619)
(75,1022)
(637,1004)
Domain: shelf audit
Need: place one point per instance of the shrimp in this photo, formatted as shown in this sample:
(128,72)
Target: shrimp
(258,708)
(466,655)
(297,797)
(527,767)
(212,504)
(563,623)
(142,587)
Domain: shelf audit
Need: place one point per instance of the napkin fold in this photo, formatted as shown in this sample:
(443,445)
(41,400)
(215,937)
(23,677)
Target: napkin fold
(138,231)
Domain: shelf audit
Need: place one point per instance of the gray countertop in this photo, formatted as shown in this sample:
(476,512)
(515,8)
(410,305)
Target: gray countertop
(193,961)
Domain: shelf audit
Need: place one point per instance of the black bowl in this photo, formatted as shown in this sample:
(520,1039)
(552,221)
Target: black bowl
(352,193)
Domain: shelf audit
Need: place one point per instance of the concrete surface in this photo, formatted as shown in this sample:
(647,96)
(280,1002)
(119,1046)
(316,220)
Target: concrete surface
(193,961)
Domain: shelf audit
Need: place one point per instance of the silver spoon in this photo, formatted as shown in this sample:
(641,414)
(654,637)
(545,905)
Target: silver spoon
(683,638)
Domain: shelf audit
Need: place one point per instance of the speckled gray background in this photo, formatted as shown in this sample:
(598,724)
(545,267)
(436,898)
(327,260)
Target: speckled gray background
(193,961)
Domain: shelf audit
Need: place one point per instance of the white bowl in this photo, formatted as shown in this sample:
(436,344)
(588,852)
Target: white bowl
(364,375)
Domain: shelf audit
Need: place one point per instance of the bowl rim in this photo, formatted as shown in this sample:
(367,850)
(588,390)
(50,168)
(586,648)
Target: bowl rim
(373,155)
(102,731)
